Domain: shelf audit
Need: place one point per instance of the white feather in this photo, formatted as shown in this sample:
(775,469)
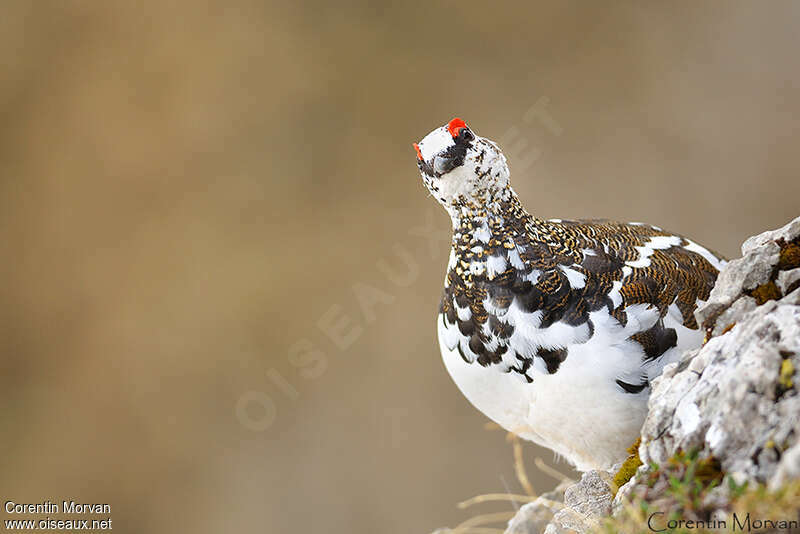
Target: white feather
(436,141)
(713,260)
(495,265)
(576,279)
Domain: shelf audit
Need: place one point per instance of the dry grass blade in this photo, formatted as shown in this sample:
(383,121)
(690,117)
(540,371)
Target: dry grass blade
(484,519)
(544,468)
(479,530)
(496,497)
(519,466)
(473,524)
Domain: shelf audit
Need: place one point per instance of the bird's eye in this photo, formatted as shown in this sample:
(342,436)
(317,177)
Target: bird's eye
(443,164)
(466,135)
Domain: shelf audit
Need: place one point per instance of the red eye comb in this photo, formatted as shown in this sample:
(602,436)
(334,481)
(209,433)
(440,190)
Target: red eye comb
(455,125)
(419,154)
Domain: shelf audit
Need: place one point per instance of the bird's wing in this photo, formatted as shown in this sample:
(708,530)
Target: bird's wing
(538,293)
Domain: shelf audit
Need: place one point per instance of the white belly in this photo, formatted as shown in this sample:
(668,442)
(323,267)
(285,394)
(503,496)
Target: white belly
(579,411)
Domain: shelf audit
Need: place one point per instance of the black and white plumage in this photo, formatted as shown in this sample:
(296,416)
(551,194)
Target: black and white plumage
(553,328)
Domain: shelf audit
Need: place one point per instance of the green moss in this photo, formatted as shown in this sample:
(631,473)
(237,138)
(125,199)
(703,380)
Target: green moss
(765,293)
(677,488)
(789,256)
(759,501)
(744,499)
(629,466)
(787,371)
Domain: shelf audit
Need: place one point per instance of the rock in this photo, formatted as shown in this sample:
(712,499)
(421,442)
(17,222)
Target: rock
(568,521)
(762,256)
(782,235)
(585,502)
(735,280)
(733,398)
(533,517)
(733,379)
(788,281)
(625,493)
(717,498)
(728,317)
(591,496)
(788,469)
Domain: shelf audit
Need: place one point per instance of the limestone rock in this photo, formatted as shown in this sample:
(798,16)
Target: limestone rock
(533,517)
(568,521)
(788,281)
(788,469)
(585,502)
(782,235)
(735,280)
(591,496)
(735,397)
(730,400)
(761,258)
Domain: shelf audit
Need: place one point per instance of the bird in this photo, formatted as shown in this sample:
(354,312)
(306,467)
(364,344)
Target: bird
(555,329)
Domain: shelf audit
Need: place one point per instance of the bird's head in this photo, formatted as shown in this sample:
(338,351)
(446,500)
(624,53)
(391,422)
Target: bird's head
(461,169)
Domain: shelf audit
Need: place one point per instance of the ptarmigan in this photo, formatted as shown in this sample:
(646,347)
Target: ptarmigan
(554,328)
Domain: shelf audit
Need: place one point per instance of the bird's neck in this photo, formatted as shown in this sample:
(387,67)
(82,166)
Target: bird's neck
(480,226)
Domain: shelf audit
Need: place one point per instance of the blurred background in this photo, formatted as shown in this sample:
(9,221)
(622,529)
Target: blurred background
(221,270)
